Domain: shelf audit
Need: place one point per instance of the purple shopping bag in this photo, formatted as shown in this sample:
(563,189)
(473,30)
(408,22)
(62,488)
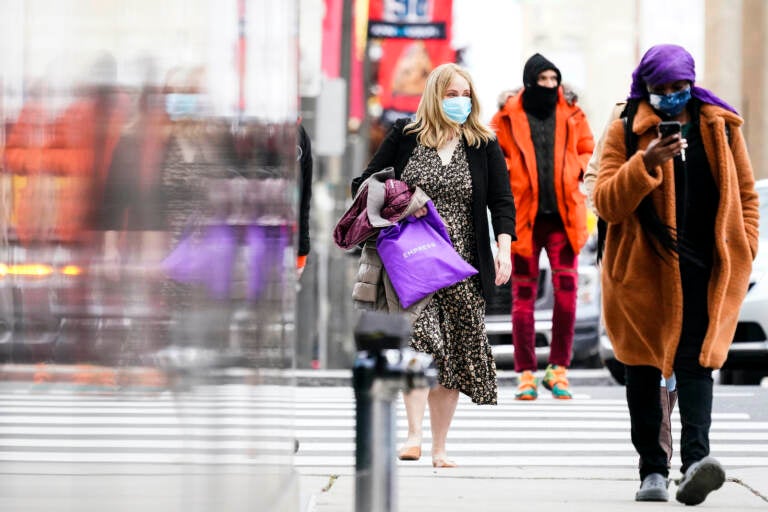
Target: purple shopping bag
(219,248)
(266,247)
(419,257)
(204,258)
(183,263)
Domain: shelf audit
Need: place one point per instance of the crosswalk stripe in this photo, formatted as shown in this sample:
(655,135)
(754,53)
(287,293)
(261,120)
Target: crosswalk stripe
(261,404)
(250,427)
(484,448)
(257,412)
(165,444)
(458,423)
(530,460)
(349,447)
(144,458)
(312,434)
(298,399)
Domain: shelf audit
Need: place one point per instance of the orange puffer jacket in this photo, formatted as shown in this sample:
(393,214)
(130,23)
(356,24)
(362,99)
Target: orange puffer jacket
(57,179)
(573,149)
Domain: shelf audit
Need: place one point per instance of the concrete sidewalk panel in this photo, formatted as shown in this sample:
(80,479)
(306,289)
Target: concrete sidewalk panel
(488,490)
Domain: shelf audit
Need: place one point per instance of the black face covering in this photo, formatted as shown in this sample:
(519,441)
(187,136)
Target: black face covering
(540,101)
(537,100)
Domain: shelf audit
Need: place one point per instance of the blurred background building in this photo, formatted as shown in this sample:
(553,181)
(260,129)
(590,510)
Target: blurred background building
(148,201)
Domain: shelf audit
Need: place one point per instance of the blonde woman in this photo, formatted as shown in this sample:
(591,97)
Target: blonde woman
(455,159)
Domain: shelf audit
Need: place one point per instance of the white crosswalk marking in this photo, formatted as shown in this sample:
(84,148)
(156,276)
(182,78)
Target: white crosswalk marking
(547,432)
(217,425)
(255,425)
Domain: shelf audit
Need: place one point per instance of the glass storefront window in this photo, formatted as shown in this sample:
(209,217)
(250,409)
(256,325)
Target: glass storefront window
(147,277)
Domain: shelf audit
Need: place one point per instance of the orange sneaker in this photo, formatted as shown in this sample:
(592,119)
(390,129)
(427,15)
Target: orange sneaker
(556,381)
(41,374)
(85,375)
(107,377)
(528,388)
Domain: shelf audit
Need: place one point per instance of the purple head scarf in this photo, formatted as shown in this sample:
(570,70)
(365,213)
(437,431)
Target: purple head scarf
(667,63)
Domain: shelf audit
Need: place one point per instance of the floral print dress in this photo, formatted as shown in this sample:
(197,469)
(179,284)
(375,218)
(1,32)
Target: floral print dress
(452,327)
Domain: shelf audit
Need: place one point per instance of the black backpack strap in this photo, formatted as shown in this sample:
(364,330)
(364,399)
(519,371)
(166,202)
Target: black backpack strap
(630,139)
(630,146)
(602,228)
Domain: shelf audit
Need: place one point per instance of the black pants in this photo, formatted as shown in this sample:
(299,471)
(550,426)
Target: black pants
(694,387)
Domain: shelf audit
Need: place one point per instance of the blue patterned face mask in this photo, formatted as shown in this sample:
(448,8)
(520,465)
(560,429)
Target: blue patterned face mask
(457,109)
(671,104)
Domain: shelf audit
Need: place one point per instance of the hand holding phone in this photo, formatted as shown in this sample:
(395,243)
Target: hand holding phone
(665,147)
(667,128)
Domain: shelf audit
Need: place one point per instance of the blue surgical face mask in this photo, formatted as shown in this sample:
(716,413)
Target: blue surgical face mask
(457,109)
(179,105)
(671,104)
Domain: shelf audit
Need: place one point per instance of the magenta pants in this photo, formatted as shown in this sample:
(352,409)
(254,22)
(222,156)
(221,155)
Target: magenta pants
(548,235)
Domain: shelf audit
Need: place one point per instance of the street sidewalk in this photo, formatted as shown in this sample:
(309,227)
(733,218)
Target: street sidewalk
(568,489)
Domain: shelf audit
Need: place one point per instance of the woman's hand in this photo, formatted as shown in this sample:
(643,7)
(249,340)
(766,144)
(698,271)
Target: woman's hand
(660,150)
(420,212)
(503,261)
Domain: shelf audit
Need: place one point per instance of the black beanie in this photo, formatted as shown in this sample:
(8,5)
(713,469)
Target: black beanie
(537,100)
(535,65)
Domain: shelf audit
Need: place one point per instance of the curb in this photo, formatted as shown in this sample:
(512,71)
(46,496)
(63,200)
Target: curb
(578,377)
(121,376)
(84,375)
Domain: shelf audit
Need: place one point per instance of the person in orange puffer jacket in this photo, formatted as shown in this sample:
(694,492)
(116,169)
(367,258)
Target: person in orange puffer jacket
(60,163)
(86,135)
(547,144)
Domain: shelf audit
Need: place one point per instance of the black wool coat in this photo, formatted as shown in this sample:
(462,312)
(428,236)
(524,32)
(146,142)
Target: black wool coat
(305,190)
(490,190)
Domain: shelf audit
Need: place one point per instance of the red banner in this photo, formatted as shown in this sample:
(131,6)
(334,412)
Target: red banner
(415,38)
(331,59)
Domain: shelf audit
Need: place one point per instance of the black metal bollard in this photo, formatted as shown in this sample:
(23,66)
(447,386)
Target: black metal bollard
(384,366)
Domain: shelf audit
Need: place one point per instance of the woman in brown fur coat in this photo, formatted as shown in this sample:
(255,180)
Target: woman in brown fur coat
(682,233)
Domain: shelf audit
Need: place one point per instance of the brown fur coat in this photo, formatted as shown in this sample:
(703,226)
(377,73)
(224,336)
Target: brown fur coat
(642,294)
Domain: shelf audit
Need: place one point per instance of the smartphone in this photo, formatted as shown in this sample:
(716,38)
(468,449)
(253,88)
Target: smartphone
(667,128)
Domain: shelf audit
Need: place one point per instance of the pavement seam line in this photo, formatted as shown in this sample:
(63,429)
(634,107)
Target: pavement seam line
(331,480)
(737,481)
(754,491)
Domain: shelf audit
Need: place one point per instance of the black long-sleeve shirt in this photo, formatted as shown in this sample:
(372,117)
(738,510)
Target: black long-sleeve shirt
(305,189)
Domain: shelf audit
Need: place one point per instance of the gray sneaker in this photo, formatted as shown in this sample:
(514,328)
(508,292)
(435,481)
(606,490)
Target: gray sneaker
(702,477)
(653,488)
